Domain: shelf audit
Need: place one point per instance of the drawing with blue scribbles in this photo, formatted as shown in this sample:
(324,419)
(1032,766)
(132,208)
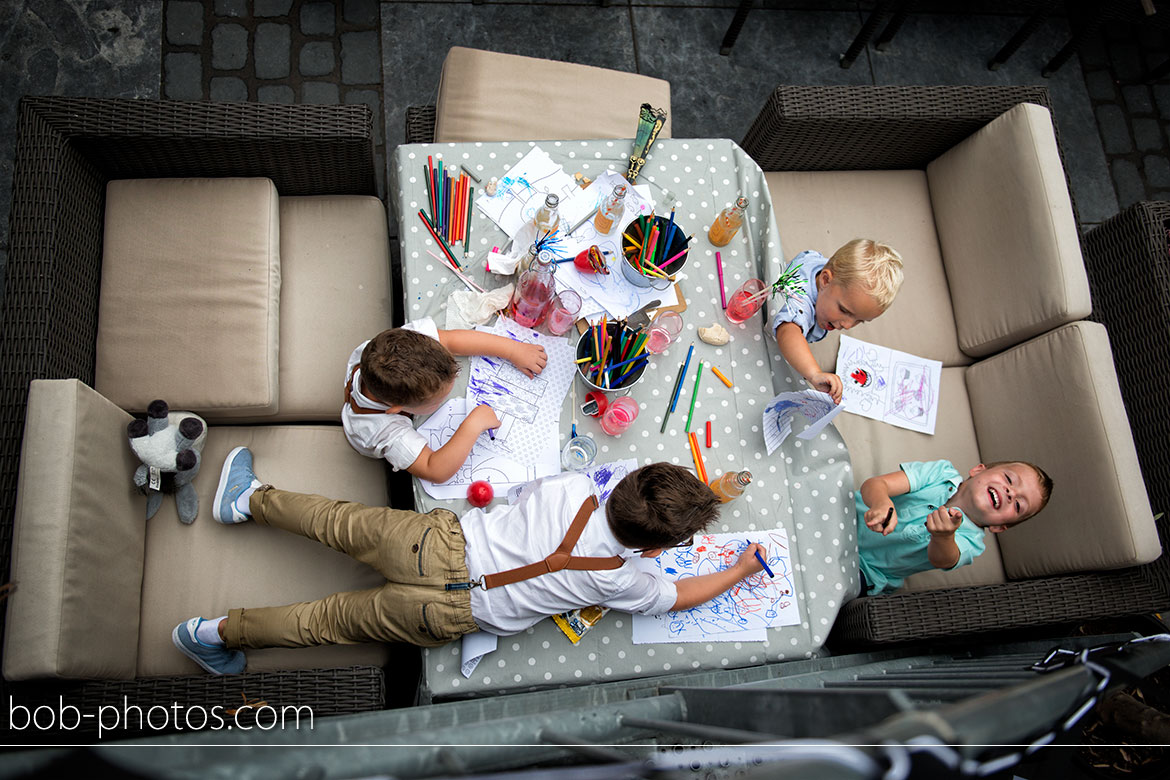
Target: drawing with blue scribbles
(744,612)
(607,475)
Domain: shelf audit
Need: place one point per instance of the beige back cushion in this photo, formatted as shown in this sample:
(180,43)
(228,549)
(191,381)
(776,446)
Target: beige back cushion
(1055,401)
(877,448)
(78,540)
(489,96)
(336,292)
(207,568)
(823,210)
(1008,235)
(190,296)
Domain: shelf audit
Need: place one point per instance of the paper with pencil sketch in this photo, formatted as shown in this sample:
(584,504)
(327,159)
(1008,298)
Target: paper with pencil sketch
(744,612)
(887,385)
(582,202)
(817,407)
(523,188)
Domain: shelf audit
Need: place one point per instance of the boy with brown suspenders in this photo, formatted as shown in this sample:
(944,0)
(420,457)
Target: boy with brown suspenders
(500,570)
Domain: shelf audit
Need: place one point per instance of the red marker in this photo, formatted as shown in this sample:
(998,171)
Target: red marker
(708,434)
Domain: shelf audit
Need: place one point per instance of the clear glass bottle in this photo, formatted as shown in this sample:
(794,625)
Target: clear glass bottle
(727,224)
(611,209)
(548,216)
(534,291)
(731,485)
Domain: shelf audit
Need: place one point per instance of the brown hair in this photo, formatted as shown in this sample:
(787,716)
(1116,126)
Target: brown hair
(405,367)
(1045,483)
(659,505)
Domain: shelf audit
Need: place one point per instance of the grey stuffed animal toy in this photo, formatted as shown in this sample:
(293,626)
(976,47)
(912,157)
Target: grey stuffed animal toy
(169,444)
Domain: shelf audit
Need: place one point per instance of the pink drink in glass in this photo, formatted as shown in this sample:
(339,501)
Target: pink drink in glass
(531,300)
(741,306)
(619,415)
(663,330)
(562,313)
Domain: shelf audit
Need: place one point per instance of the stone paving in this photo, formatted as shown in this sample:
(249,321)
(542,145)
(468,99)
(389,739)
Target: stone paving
(276,51)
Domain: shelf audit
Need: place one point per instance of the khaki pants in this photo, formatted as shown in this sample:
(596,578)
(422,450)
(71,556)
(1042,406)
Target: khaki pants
(417,554)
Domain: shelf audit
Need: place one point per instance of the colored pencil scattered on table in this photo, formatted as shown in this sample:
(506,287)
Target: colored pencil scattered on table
(698,456)
(694,396)
(682,371)
(722,378)
(708,434)
(722,292)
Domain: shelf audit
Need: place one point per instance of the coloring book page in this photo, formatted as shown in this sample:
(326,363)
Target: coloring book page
(887,385)
(529,409)
(522,190)
(744,612)
(817,407)
(483,462)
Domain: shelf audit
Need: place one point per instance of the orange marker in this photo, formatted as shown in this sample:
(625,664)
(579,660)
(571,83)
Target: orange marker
(699,467)
(722,378)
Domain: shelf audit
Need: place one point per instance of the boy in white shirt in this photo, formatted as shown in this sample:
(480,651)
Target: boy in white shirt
(410,370)
(500,570)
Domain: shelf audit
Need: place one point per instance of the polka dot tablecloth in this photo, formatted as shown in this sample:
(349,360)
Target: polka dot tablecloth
(805,486)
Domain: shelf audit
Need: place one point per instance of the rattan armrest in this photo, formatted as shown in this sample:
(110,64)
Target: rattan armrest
(420,124)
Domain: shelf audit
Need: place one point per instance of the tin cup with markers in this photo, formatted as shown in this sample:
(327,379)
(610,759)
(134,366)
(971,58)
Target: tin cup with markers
(623,376)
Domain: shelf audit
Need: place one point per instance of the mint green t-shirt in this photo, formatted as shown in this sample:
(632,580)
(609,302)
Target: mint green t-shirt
(888,560)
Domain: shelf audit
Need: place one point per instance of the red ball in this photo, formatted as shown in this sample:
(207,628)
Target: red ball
(480,493)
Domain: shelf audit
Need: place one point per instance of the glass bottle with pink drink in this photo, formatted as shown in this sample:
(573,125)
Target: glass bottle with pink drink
(534,292)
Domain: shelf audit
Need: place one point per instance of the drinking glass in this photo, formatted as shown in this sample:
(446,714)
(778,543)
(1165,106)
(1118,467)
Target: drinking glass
(563,311)
(745,301)
(664,329)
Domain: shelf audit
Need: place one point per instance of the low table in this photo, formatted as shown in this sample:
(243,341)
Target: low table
(805,486)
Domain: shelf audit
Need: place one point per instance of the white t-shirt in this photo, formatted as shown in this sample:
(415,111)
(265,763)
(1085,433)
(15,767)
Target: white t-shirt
(389,436)
(510,536)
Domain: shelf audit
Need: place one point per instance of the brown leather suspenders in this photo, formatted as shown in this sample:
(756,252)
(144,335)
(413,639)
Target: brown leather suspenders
(561,558)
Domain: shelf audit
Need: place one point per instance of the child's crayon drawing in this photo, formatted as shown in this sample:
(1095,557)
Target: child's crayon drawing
(817,407)
(888,385)
(607,475)
(741,614)
(521,191)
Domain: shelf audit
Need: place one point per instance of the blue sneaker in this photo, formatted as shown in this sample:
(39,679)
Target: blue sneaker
(236,477)
(217,660)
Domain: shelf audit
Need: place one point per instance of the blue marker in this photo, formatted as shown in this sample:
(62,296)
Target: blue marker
(763,563)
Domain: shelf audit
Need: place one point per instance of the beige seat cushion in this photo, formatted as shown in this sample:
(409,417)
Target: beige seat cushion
(78,540)
(256,565)
(1055,401)
(489,96)
(1008,235)
(336,292)
(190,296)
(878,448)
(824,210)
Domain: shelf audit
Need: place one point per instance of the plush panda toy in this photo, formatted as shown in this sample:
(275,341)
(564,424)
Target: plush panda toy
(169,444)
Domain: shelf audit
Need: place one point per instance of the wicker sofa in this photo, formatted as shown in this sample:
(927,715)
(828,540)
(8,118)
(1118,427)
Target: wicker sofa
(311,165)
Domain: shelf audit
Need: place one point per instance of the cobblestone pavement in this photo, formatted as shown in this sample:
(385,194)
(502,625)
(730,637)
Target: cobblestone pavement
(276,51)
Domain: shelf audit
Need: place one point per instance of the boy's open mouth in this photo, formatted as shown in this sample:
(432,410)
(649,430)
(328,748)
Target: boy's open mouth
(994,496)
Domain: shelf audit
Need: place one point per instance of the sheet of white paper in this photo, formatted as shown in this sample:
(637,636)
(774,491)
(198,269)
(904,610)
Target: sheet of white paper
(817,407)
(887,385)
(522,189)
(639,201)
(607,475)
(483,463)
(530,408)
(475,647)
(744,611)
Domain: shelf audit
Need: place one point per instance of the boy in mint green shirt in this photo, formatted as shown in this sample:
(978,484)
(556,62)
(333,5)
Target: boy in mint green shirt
(926,516)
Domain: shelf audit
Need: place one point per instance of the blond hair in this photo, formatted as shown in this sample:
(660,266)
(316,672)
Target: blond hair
(871,265)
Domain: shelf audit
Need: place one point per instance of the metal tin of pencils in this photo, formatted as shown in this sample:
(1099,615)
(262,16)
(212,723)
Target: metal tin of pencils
(670,245)
(629,374)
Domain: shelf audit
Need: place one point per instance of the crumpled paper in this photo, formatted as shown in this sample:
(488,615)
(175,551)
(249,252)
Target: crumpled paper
(466,309)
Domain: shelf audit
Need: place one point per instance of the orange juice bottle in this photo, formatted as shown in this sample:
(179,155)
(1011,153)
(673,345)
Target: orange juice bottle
(725,226)
(611,209)
(729,486)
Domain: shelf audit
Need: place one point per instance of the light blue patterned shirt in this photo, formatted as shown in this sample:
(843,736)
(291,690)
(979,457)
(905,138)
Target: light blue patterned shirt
(801,308)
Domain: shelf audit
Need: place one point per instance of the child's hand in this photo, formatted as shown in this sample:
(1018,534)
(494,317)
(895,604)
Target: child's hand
(875,518)
(482,417)
(748,563)
(944,521)
(827,383)
(529,358)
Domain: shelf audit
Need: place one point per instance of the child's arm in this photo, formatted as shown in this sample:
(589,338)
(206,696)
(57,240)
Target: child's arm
(942,551)
(529,358)
(693,591)
(876,492)
(794,348)
(441,464)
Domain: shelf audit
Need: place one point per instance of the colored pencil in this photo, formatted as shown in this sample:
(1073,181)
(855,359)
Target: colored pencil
(694,396)
(699,465)
(474,178)
(467,235)
(722,292)
(763,563)
(708,434)
(438,239)
(472,285)
(677,386)
(722,378)
(686,365)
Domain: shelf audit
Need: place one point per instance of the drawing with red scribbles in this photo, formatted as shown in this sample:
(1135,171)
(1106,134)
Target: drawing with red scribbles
(743,613)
